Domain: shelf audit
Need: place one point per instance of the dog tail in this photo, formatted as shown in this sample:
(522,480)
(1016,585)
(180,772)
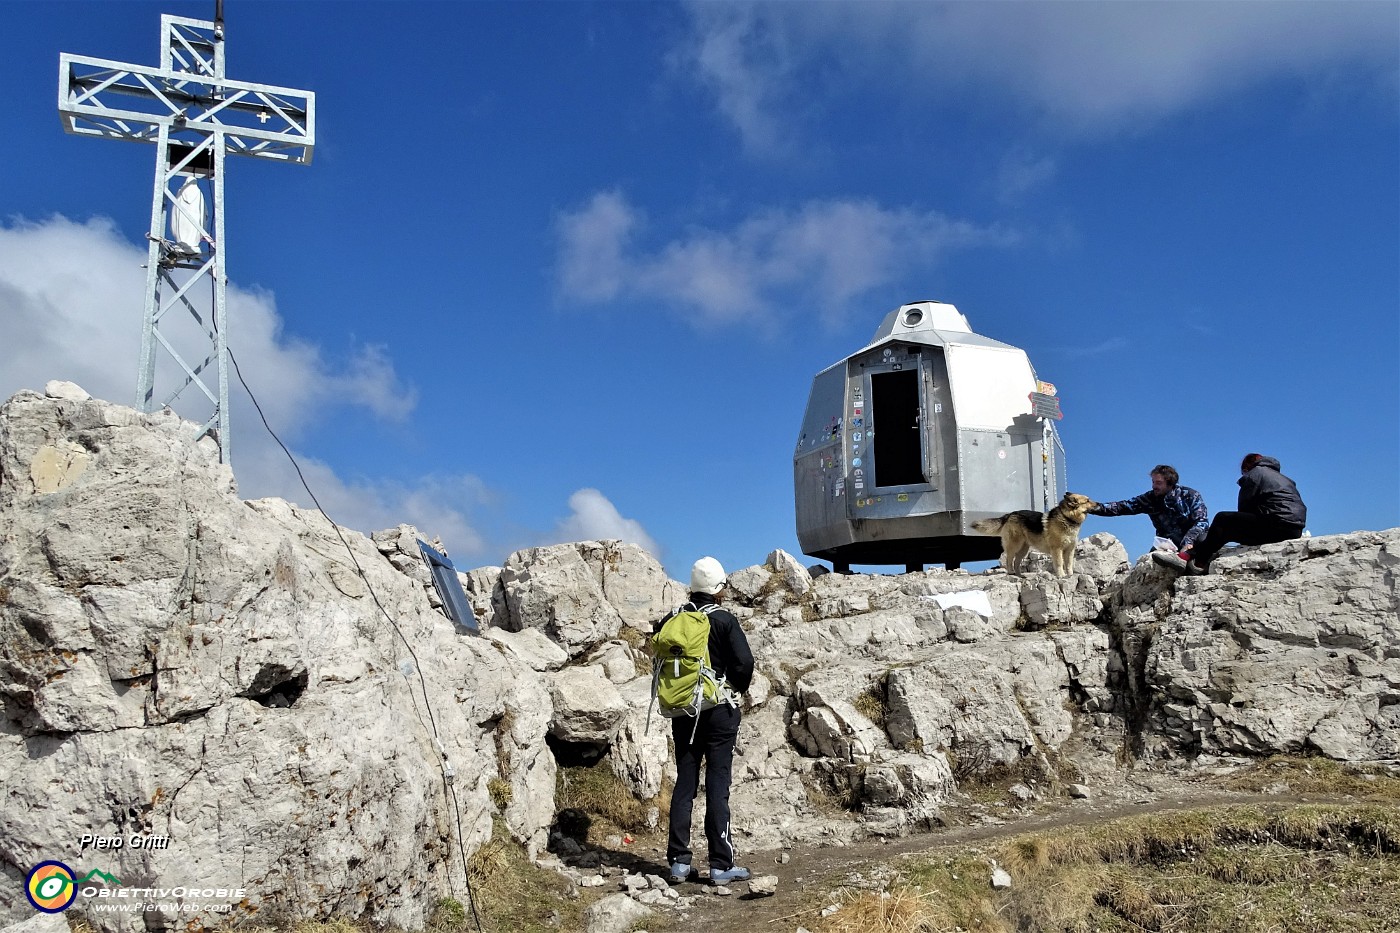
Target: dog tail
(989,526)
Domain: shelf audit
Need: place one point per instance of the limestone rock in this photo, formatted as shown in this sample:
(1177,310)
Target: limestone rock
(1102,557)
(1289,647)
(486,595)
(65,391)
(990,707)
(917,782)
(554,589)
(789,569)
(640,756)
(829,723)
(763,885)
(749,582)
(631,581)
(619,661)
(400,546)
(967,626)
(1062,601)
(587,706)
(616,913)
(531,647)
(174,661)
(177,663)
(56,466)
(37,922)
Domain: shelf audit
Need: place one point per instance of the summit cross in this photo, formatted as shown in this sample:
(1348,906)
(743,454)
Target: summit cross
(195,116)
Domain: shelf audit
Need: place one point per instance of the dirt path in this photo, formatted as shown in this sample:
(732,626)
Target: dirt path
(810,872)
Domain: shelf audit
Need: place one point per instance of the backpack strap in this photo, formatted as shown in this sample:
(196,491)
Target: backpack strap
(726,695)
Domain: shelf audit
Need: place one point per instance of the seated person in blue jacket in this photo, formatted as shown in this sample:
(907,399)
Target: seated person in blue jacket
(1177,512)
(1270,510)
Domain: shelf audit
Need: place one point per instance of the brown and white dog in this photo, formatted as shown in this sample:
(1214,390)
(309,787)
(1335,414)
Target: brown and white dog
(1054,533)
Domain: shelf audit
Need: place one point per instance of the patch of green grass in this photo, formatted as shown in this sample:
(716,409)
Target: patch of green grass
(1216,870)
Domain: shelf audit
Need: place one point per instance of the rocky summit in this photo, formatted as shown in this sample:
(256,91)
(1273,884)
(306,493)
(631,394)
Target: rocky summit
(237,707)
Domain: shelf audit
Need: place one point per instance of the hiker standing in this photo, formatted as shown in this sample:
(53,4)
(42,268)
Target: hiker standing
(710,736)
(1270,510)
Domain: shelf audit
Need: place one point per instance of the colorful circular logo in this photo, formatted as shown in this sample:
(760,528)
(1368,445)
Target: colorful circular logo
(51,887)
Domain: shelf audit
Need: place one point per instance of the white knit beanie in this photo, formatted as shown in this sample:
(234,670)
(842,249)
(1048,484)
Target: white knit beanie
(707,576)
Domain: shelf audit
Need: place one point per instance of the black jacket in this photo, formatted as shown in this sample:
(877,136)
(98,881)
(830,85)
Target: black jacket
(729,646)
(1266,492)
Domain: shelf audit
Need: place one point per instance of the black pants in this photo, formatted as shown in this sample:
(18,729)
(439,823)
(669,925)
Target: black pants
(714,741)
(1244,527)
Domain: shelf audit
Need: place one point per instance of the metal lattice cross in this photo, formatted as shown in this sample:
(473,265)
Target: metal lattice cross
(195,116)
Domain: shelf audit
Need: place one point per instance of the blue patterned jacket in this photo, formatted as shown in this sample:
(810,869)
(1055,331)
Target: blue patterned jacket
(1179,513)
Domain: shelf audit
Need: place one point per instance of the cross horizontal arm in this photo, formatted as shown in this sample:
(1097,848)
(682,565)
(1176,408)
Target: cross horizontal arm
(97,97)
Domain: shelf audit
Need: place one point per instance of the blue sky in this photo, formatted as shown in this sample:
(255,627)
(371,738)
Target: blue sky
(565,270)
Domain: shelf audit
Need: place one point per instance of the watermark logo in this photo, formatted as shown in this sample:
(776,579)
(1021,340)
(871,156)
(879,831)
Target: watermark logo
(99,877)
(51,887)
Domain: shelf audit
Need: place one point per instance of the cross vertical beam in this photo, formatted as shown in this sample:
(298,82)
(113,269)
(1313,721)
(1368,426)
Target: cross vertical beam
(196,116)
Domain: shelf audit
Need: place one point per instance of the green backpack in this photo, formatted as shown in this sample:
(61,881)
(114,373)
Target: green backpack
(683,682)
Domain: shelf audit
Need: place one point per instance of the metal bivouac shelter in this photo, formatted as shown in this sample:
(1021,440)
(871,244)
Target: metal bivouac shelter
(909,440)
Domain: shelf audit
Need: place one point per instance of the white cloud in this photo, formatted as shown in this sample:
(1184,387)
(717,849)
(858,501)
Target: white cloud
(70,309)
(820,256)
(1020,173)
(71,306)
(1087,67)
(72,298)
(747,69)
(593,518)
(426,503)
(593,241)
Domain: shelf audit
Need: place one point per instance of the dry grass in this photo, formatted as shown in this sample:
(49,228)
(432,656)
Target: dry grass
(870,703)
(987,781)
(901,910)
(337,925)
(1218,870)
(640,642)
(511,895)
(500,793)
(609,803)
(1316,776)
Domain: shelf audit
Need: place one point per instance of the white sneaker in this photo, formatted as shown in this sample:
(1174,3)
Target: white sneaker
(1168,559)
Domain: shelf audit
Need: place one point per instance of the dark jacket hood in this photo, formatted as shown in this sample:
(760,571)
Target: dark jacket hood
(1266,492)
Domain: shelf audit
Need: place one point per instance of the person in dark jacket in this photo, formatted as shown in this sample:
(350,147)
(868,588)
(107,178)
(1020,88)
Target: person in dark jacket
(714,738)
(1270,510)
(1178,512)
